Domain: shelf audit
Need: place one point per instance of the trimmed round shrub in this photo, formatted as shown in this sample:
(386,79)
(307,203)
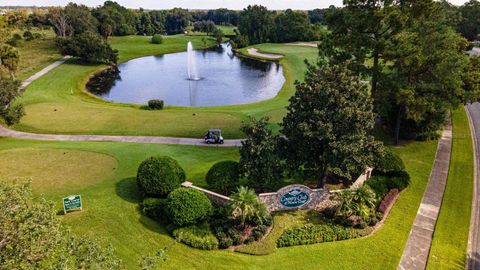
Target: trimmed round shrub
(390,162)
(158,176)
(223,177)
(157,39)
(27,35)
(188,206)
(154,208)
(155,104)
(17,36)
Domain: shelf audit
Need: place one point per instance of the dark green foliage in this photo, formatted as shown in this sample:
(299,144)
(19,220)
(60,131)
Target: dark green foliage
(469,24)
(259,159)
(223,177)
(204,26)
(155,208)
(158,176)
(317,16)
(382,184)
(27,35)
(389,162)
(293,26)
(155,104)
(188,206)
(9,111)
(80,19)
(256,23)
(328,124)
(157,39)
(313,234)
(197,236)
(176,21)
(115,19)
(89,47)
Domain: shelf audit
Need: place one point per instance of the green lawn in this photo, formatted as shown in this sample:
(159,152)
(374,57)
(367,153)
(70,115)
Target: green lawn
(449,247)
(111,206)
(36,54)
(58,99)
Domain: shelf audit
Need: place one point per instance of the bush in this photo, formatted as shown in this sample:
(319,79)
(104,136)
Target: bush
(13,41)
(188,206)
(312,234)
(154,208)
(390,162)
(223,177)
(37,36)
(27,35)
(388,201)
(158,176)
(156,104)
(157,39)
(17,36)
(382,184)
(235,236)
(90,47)
(196,236)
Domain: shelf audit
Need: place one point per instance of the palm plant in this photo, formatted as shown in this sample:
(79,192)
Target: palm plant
(344,202)
(355,202)
(247,207)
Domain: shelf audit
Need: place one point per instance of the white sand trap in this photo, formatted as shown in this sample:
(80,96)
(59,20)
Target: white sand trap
(309,44)
(255,52)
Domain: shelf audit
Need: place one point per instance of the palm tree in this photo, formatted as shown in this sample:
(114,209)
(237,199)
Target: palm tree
(247,207)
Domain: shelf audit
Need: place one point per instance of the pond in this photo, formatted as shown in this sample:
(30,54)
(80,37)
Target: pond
(221,79)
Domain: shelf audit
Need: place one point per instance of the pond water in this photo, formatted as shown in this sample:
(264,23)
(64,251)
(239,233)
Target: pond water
(224,79)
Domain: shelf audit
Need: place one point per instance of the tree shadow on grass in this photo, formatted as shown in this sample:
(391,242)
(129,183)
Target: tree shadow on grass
(127,189)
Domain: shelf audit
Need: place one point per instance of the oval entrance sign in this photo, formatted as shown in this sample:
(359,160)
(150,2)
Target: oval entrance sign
(294,198)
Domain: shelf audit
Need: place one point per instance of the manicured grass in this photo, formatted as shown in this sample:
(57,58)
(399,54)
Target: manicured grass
(449,246)
(36,54)
(111,212)
(58,99)
(282,222)
(227,30)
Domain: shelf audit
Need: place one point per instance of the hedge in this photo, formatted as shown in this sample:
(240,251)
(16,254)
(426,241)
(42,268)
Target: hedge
(390,162)
(188,206)
(158,176)
(312,234)
(155,104)
(223,177)
(196,236)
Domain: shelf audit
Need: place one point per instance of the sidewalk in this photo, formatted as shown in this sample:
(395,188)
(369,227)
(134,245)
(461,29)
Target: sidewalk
(415,254)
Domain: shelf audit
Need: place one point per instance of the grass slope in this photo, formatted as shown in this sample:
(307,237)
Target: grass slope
(111,211)
(58,99)
(36,54)
(449,246)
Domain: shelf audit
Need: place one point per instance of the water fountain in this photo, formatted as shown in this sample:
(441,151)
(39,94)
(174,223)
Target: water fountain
(192,66)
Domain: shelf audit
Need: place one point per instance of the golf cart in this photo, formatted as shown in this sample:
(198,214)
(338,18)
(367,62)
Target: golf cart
(214,136)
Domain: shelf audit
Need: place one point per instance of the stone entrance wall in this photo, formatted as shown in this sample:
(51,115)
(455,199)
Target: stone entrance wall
(272,199)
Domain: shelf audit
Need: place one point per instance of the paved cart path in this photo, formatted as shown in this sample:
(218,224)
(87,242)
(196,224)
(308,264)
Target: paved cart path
(5,132)
(417,249)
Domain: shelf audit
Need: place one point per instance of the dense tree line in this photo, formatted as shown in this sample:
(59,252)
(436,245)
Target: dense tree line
(259,25)
(413,57)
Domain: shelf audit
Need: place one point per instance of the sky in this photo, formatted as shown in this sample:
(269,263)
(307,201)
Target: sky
(192,4)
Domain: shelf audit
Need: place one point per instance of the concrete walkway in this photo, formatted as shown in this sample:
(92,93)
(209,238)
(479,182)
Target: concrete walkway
(44,71)
(5,132)
(415,254)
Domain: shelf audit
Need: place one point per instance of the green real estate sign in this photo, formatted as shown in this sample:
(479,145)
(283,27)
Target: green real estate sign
(71,203)
(294,198)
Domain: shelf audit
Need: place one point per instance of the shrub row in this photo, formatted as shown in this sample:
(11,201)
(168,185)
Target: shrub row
(381,184)
(228,235)
(388,200)
(197,236)
(155,104)
(312,234)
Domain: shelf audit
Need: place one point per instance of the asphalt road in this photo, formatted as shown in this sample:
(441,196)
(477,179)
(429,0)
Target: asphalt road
(473,261)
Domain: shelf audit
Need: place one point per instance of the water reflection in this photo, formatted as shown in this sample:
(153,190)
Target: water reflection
(227,80)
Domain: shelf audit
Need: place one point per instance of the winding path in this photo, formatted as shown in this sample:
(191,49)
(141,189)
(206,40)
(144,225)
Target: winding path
(5,132)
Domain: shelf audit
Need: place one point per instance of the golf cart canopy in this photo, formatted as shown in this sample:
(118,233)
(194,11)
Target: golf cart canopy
(214,130)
